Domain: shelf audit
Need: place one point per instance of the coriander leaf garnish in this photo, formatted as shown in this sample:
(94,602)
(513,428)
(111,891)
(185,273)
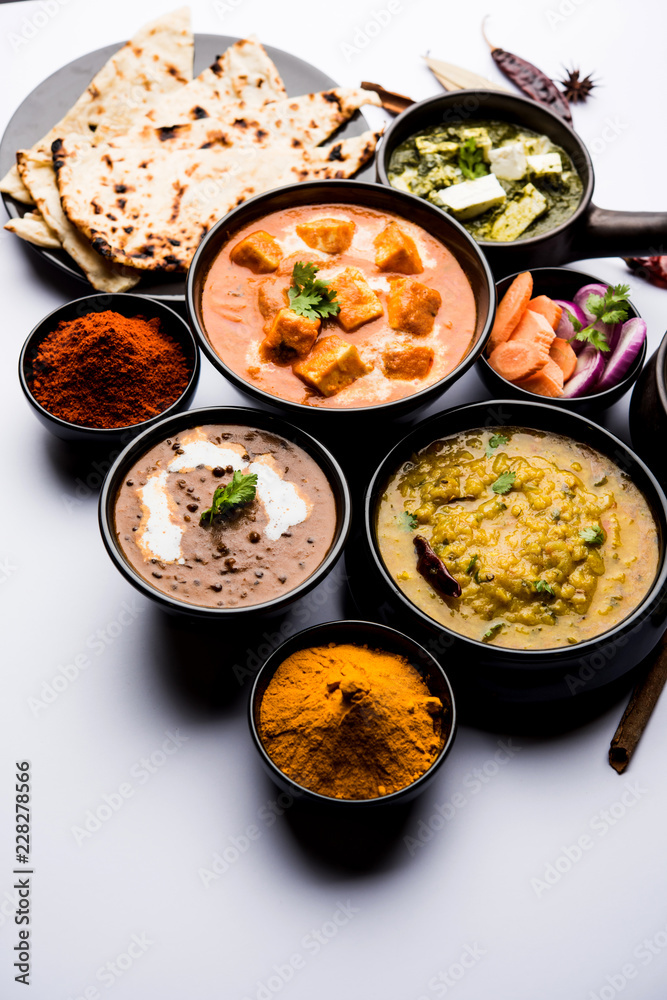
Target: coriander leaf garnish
(471,565)
(504,482)
(495,441)
(610,308)
(593,535)
(471,160)
(310,296)
(492,632)
(241,490)
(556,514)
(542,587)
(408,521)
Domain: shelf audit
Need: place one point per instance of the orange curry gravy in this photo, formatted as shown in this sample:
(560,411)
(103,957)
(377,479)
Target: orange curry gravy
(236,327)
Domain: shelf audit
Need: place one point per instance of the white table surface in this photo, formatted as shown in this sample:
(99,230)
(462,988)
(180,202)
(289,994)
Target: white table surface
(464,914)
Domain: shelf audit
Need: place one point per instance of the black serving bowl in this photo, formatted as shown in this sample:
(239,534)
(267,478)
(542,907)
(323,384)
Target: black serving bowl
(589,232)
(327,192)
(246,417)
(127,305)
(648,413)
(560,283)
(375,636)
(493,683)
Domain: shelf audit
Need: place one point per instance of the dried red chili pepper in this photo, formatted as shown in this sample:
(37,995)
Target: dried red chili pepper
(433,569)
(653,269)
(531,80)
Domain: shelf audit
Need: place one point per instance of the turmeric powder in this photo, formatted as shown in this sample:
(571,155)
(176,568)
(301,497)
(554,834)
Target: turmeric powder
(350,722)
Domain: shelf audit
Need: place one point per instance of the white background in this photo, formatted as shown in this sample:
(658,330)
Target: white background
(139,874)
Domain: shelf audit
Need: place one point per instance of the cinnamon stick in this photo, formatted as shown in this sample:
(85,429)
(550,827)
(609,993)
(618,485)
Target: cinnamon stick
(390,101)
(642,702)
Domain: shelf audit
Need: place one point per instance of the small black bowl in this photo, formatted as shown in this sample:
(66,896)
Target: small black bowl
(560,283)
(491,680)
(168,427)
(648,413)
(348,192)
(375,636)
(127,305)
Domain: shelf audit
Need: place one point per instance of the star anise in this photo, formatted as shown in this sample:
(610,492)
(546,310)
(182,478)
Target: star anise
(576,87)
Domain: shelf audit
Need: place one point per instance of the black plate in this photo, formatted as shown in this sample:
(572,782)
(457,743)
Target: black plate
(55,96)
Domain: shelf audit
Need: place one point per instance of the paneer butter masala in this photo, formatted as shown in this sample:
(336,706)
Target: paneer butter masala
(338,306)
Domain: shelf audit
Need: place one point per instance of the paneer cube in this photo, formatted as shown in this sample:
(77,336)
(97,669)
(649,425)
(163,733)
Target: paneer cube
(427,145)
(396,251)
(412,306)
(290,335)
(358,302)
(405,361)
(481,137)
(509,161)
(258,251)
(329,235)
(545,165)
(470,198)
(332,365)
(519,214)
(271,298)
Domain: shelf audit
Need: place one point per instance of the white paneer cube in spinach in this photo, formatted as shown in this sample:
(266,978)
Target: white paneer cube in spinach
(509,161)
(519,214)
(471,198)
(545,165)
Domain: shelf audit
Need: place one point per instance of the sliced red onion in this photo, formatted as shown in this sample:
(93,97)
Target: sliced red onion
(565,328)
(581,298)
(590,366)
(632,336)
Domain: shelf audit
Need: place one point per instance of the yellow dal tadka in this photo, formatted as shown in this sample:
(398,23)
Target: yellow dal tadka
(549,541)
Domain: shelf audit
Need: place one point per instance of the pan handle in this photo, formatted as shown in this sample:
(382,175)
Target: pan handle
(622,234)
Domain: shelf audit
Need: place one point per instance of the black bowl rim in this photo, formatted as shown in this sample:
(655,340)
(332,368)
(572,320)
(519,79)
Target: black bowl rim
(243,416)
(305,793)
(413,400)
(451,97)
(39,333)
(595,397)
(531,657)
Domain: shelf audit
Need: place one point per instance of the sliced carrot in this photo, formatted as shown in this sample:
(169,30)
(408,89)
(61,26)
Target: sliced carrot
(517,361)
(512,307)
(546,307)
(547,382)
(534,329)
(561,352)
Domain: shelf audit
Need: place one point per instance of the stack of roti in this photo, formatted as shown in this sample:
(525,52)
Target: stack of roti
(148,159)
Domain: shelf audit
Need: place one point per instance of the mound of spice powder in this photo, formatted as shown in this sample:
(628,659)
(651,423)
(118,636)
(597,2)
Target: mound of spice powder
(108,370)
(350,722)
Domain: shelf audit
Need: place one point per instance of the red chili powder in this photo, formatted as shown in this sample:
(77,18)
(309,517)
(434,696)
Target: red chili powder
(108,370)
